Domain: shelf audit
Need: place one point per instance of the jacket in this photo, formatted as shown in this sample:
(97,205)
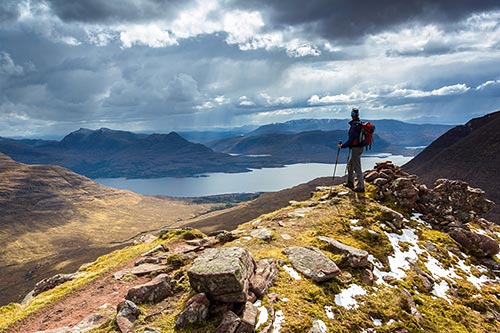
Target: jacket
(354,132)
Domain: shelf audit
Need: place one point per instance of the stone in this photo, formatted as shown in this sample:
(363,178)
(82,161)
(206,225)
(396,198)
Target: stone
(262,233)
(413,308)
(248,320)
(145,269)
(154,251)
(126,316)
(223,273)
(196,311)
(380,181)
(477,245)
(355,257)
(183,248)
(266,273)
(200,242)
(396,217)
(318,326)
(312,263)
(152,292)
(148,260)
(229,324)
(371,176)
(367,276)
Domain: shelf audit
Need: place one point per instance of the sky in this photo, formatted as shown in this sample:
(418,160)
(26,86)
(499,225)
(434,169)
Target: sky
(163,65)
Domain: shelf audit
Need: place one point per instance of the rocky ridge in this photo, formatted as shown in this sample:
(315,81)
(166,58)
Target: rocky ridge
(400,258)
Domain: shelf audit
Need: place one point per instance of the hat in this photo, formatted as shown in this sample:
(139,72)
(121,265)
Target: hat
(355,112)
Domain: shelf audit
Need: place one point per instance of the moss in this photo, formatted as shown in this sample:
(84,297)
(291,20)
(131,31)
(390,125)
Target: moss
(176,260)
(186,234)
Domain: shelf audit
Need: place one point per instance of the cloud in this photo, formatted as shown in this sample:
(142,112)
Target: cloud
(150,35)
(8,67)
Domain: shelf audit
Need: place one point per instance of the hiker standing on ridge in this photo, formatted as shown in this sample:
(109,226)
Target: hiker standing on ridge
(354,162)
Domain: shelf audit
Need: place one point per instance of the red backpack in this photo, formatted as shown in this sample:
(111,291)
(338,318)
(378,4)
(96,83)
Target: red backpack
(366,135)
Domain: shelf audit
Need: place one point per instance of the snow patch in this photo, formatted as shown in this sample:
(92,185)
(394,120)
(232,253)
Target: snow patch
(279,319)
(354,221)
(263,315)
(292,272)
(329,312)
(400,260)
(437,270)
(356,227)
(346,297)
(440,290)
(377,322)
(418,218)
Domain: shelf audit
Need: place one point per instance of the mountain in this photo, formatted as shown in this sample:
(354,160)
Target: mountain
(53,220)
(338,261)
(106,153)
(396,132)
(470,152)
(303,147)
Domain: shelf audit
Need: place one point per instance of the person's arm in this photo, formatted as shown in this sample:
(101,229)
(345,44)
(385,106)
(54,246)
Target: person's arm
(353,136)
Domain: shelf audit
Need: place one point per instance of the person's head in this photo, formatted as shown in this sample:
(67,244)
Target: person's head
(355,113)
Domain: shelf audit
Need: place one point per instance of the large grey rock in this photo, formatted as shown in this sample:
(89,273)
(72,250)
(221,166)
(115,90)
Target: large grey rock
(154,291)
(265,275)
(355,257)
(196,311)
(312,263)
(223,274)
(263,234)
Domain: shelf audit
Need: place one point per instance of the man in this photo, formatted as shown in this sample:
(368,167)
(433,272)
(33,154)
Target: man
(354,162)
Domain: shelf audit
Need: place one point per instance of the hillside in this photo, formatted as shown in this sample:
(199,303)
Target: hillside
(106,153)
(53,220)
(470,152)
(337,262)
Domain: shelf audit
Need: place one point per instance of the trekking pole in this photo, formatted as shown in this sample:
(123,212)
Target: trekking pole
(335,168)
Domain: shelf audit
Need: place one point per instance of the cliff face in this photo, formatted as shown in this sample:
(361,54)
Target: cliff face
(400,258)
(469,152)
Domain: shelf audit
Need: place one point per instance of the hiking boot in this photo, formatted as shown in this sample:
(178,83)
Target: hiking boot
(360,190)
(349,185)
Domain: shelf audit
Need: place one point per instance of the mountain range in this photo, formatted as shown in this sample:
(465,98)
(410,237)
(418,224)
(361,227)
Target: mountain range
(470,152)
(106,153)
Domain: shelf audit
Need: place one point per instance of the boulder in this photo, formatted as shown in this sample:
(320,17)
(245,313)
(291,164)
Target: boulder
(248,320)
(312,263)
(229,324)
(126,316)
(145,269)
(196,311)
(264,277)
(396,217)
(475,244)
(223,274)
(262,234)
(355,257)
(154,291)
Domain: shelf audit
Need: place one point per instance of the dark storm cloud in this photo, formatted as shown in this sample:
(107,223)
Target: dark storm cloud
(346,19)
(98,11)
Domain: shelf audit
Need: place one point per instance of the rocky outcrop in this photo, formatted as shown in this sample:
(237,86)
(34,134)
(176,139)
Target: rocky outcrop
(449,206)
(264,277)
(312,263)
(52,282)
